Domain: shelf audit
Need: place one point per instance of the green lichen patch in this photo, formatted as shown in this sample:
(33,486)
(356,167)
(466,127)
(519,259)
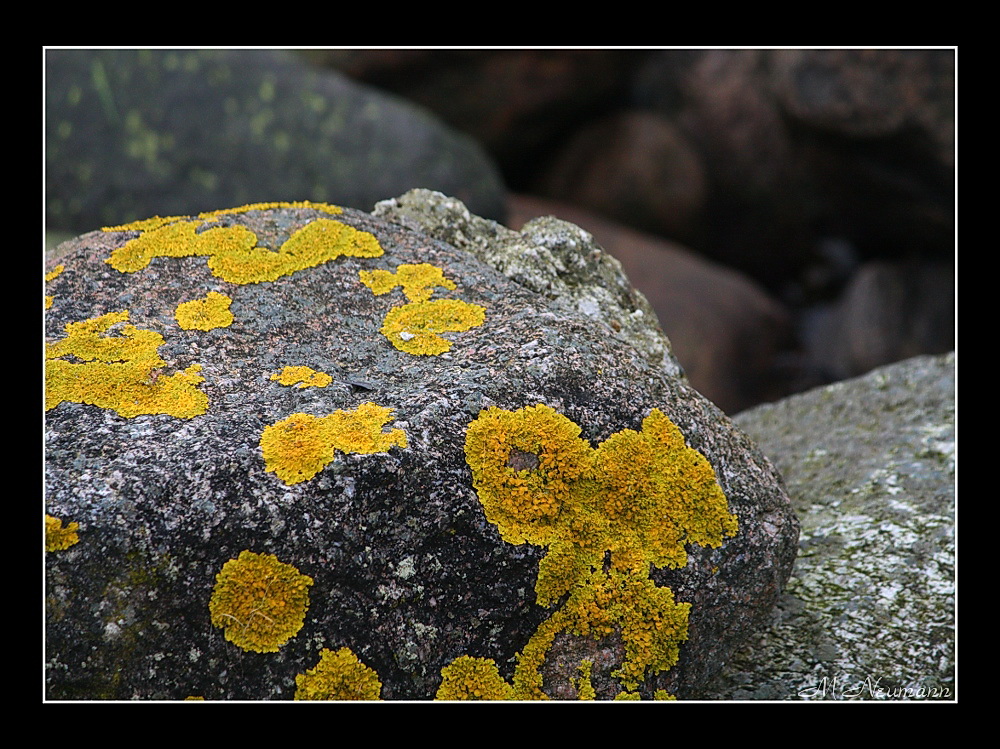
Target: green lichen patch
(205,314)
(122,372)
(338,676)
(259,602)
(299,447)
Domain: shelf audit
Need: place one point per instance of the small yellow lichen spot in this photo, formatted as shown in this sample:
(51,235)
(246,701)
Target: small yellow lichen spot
(259,602)
(58,538)
(338,676)
(302,377)
(299,447)
(415,327)
(467,678)
(205,314)
(122,372)
(418,281)
(49,277)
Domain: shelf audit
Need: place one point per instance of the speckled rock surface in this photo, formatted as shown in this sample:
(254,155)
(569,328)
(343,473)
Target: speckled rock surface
(869,612)
(406,570)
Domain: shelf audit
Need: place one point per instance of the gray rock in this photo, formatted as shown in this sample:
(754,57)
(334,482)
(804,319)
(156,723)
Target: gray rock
(135,133)
(869,612)
(404,567)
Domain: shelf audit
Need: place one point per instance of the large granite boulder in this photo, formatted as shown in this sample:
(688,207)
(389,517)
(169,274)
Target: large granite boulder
(298,451)
(134,133)
(869,612)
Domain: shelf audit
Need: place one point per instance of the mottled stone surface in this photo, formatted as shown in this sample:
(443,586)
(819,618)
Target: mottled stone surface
(407,571)
(869,612)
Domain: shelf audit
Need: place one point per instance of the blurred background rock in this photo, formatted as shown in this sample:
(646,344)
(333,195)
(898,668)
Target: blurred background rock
(789,212)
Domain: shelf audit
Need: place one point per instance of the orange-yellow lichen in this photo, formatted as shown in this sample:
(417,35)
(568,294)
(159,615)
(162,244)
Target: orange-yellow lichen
(259,602)
(299,447)
(418,281)
(57,537)
(51,275)
(467,678)
(302,377)
(232,251)
(338,676)
(157,221)
(606,515)
(415,327)
(584,686)
(205,314)
(121,372)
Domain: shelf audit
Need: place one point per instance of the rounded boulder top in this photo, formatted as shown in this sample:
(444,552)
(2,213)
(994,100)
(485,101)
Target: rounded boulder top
(461,487)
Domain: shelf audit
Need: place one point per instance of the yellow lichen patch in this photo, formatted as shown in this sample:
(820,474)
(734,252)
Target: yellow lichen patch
(299,447)
(205,314)
(180,239)
(57,537)
(606,515)
(51,275)
(232,251)
(302,377)
(259,602)
(146,224)
(325,207)
(415,327)
(523,465)
(418,281)
(122,372)
(338,676)
(467,678)
(158,221)
(315,243)
(584,686)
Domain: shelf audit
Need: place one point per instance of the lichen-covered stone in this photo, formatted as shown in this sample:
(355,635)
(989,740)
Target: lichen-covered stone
(376,501)
(869,612)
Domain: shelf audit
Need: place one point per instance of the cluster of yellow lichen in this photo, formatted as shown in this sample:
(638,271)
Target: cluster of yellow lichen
(606,514)
(205,314)
(468,678)
(416,327)
(57,537)
(259,602)
(232,251)
(302,377)
(121,372)
(299,447)
(338,676)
